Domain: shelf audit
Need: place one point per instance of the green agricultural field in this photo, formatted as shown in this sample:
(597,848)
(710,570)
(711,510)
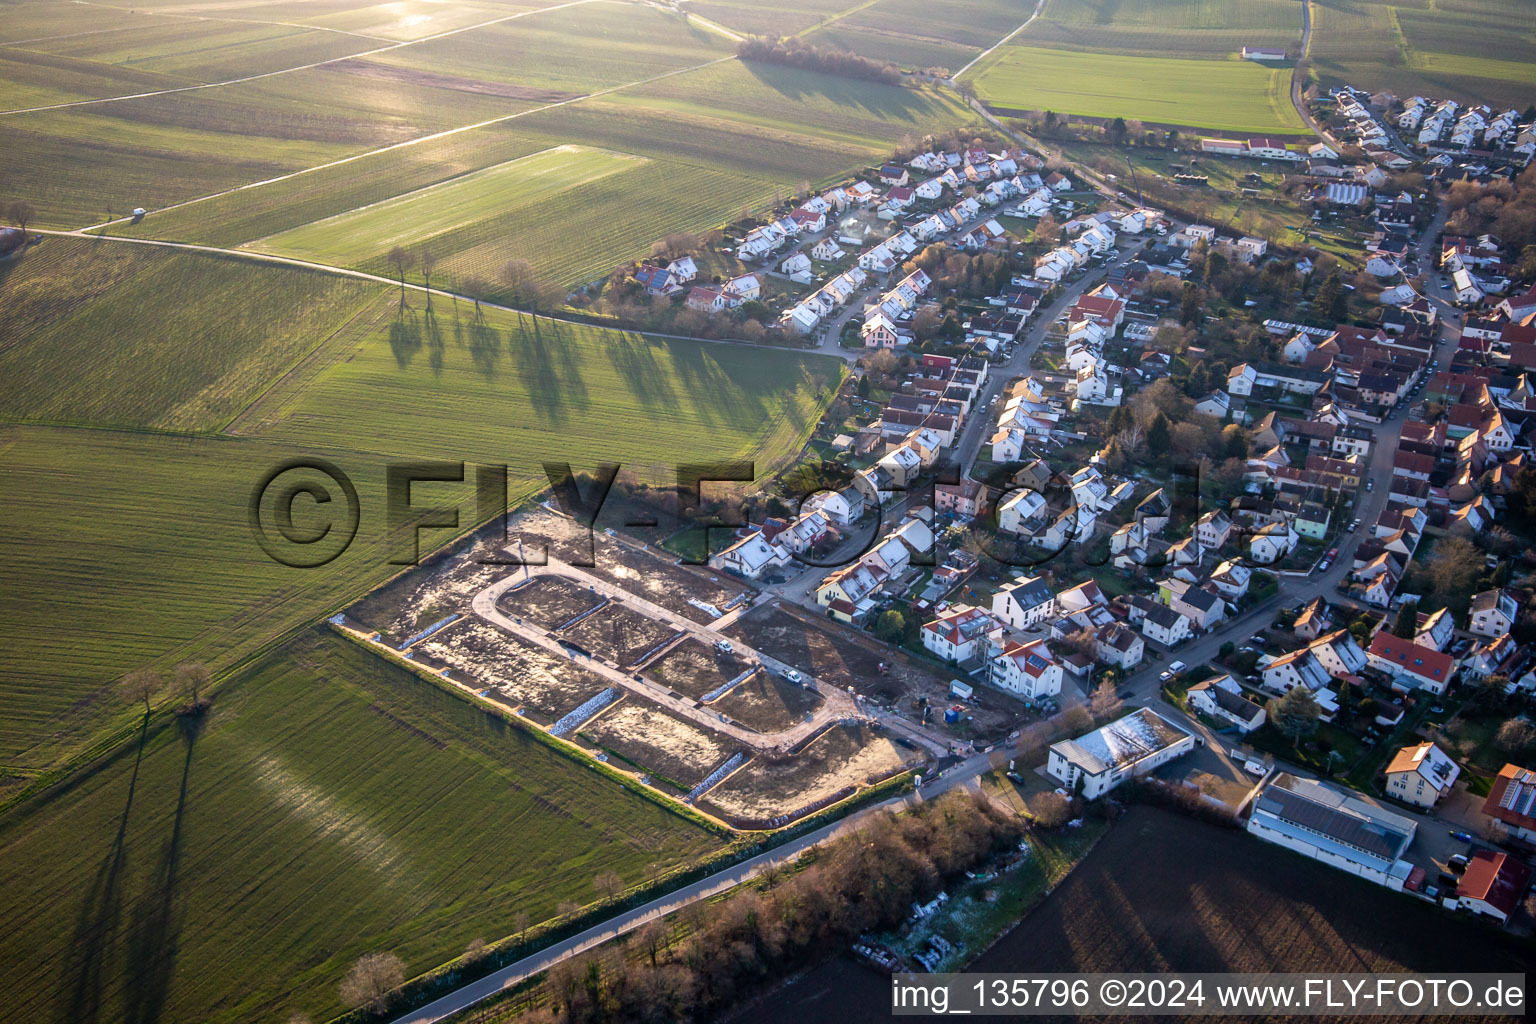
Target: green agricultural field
(575,49)
(331,804)
(518,190)
(87,338)
(924,33)
(754,18)
(145,538)
(513,389)
(1219,95)
(1470,50)
(1166,28)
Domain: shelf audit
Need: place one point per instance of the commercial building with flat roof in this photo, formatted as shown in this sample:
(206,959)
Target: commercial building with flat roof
(1334,827)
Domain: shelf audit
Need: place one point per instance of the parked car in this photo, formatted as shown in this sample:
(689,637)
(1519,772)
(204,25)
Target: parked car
(1370,485)
(1325,565)
(1458,862)
(1463,836)
(793,675)
(1333,553)
(1253,767)
(724,646)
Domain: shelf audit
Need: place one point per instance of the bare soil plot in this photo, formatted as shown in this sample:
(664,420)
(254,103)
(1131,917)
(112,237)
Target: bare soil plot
(517,672)
(548,601)
(675,750)
(1225,902)
(767,703)
(653,576)
(834,763)
(619,634)
(429,592)
(694,669)
(843,657)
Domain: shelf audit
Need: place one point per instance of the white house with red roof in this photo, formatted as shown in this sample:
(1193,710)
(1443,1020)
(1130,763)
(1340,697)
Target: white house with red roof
(961,633)
(1409,665)
(1512,801)
(1493,885)
(1027,669)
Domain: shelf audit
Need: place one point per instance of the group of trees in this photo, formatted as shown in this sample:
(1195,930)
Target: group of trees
(188,683)
(865,880)
(1506,209)
(1159,424)
(797,53)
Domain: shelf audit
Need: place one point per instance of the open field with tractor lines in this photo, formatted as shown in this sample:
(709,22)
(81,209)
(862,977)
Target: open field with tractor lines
(924,33)
(1221,95)
(512,389)
(1164,61)
(1468,50)
(330,804)
(235,328)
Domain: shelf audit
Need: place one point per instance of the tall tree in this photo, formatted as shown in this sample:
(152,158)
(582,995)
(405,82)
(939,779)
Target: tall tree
(401,259)
(1294,715)
(428,262)
(191,679)
(1159,435)
(370,981)
(140,685)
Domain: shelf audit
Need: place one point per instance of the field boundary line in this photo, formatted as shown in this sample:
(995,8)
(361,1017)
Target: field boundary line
(1039,6)
(302,67)
(434,136)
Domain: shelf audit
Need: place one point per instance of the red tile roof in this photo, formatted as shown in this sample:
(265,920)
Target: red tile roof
(1496,879)
(1424,662)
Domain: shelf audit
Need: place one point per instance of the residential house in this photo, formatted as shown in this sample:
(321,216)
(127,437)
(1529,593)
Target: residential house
(751,556)
(961,633)
(1494,885)
(1420,774)
(1119,645)
(1024,602)
(1165,626)
(1223,699)
(1026,669)
(1134,745)
(1512,802)
(1493,613)
(1410,666)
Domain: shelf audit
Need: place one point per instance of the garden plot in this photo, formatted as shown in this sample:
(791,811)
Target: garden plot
(831,766)
(841,657)
(618,634)
(695,670)
(515,671)
(655,577)
(664,745)
(767,703)
(548,601)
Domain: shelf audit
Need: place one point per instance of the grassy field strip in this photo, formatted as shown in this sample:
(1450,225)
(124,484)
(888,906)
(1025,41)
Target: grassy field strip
(514,389)
(371,231)
(447,133)
(302,67)
(1225,95)
(988,51)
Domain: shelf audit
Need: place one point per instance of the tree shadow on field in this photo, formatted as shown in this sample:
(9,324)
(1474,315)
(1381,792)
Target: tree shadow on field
(405,336)
(485,348)
(634,357)
(435,346)
(154,933)
(550,373)
(99,915)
